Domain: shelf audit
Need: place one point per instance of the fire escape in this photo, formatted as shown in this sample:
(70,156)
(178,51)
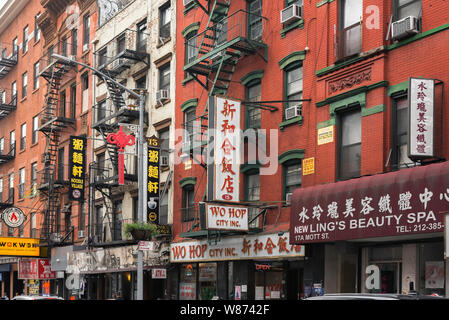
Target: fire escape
(227,39)
(114,59)
(52,123)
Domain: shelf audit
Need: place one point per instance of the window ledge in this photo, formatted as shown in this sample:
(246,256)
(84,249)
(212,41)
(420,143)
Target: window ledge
(295,25)
(189,7)
(294,120)
(186,80)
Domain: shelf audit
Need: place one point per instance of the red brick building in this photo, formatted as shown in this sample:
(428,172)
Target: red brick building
(347,65)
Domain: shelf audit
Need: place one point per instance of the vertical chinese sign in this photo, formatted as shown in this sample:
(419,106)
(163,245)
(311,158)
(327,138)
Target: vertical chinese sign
(224,169)
(153,180)
(77,167)
(421,118)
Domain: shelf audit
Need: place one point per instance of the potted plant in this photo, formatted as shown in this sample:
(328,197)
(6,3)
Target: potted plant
(141,231)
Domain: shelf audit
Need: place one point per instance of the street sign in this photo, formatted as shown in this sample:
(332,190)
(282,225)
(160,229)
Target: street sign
(146,245)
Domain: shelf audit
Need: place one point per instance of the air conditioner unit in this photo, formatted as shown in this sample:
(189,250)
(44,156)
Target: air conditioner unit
(405,27)
(164,161)
(186,2)
(56,237)
(80,233)
(120,63)
(72,57)
(162,95)
(85,47)
(292,112)
(288,197)
(291,13)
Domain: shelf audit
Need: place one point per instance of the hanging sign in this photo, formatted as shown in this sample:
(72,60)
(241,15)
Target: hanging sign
(153,156)
(35,269)
(421,94)
(77,167)
(121,140)
(224,171)
(225,217)
(13,217)
(19,247)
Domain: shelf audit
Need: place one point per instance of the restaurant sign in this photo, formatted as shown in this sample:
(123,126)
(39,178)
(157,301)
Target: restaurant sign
(225,217)
(266,246)
(409,201)
(35,269)
(19,247)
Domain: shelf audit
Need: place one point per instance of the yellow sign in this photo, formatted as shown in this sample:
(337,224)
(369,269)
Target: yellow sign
(325,135)
(308,166)
(19,247)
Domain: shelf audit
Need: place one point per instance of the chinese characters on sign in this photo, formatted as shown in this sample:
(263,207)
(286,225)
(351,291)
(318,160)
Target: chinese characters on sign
(236,248)
(153,180)
(421,108)
(77,167)
(308,166)
(374,207)
(226,150)
(35,269)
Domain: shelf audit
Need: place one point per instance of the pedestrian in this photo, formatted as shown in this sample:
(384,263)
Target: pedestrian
(117,296)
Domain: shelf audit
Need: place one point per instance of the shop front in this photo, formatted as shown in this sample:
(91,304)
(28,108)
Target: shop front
(381,233)
(245,267)
(101,273)
(37,275)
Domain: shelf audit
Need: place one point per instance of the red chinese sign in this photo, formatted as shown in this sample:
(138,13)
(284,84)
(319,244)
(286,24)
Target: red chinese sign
(227,150)
(35,269)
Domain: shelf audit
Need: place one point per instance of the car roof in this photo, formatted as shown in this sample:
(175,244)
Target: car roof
(371,296)
(25,297)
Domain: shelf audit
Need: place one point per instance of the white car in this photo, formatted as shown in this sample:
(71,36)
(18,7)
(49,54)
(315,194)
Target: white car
(25,297)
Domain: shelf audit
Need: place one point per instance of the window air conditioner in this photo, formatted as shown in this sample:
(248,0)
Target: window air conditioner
(72,57)
(186,2)
(404,27)
(292,112)
(80,233)
(291,13)
(56,237)
(164,161)
(85,47)
(162,95)
(288,198)
(121,62)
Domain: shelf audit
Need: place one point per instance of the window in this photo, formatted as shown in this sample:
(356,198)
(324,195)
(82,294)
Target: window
(74,41)
(12,141)
(164,136)
(121,43)
(14,90)
(141,83)
(350,34)
(101,110)
(11,187)
(292,176)
(297,2)
(15,46)
(61,164)
(188,203)
(102,56)
(25,39)
(221,32)
(164,77)
(33,174)
(21,182)
(73,101)
(81,216)
(189,119)
(255,20)
(2,146)
(85,88)
(35,130)
(23,136)
(37,30)
(141,44)
(33,225)
(117,232)
(165,18)
(24,84)
(99,213)
(86,32)
(253,93)
(293,85)
(36,71)
(1,195)
(64,46)
(400,132)
(62,103)
(405,8)
(252,181)
(350,138)
(191,47)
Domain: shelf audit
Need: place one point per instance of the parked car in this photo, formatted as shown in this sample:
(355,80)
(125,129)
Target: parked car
(372,296)
(25,297)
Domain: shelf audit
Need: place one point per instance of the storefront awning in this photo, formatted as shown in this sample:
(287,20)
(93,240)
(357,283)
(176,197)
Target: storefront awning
(405,202)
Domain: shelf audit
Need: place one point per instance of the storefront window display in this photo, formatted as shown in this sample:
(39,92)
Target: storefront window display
(207,280)
(431,268)
(268,280)
(198,281)
(187,284)
(387,265)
